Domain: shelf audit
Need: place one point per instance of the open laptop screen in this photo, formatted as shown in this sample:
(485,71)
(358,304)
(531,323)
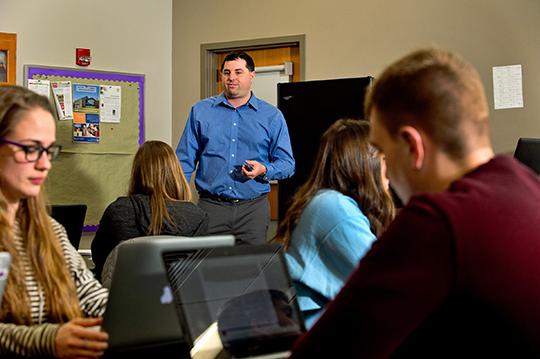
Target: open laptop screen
(245,289)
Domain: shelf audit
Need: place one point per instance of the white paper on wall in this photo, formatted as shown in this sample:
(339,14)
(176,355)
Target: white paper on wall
(110,102)
(507,87)
(42,87)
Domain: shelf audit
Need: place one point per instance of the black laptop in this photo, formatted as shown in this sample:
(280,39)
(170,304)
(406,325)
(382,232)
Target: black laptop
(245,290)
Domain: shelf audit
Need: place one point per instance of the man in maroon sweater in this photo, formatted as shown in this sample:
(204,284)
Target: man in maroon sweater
(457,274)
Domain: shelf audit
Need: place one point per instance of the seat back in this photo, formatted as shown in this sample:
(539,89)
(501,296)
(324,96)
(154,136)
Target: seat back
(528,152)
(71,216)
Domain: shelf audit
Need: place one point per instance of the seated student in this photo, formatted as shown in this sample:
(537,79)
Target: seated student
(49,289)
(158,203)
(335,216)
(456,273)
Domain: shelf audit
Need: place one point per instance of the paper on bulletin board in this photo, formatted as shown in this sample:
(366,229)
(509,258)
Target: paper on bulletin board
(110,102)
(86,98)
(42,87)
(63,99)
(86,127)
(86,113)
(507,87)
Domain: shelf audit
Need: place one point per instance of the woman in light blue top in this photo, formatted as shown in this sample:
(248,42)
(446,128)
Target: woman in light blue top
(335,216)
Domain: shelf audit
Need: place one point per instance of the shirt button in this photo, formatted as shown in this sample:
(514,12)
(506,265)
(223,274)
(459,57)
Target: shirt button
(232,155)
(234,124)
(233,140)
(230,171)
(230,187)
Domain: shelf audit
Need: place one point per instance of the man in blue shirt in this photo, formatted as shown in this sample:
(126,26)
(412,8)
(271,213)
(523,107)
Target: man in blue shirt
(237,143)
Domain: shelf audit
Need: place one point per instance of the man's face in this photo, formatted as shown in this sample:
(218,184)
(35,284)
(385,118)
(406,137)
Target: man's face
(237,79)
(397,157)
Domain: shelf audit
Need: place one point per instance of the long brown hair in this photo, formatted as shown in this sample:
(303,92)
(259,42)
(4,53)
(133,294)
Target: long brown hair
(156,172)
(346,163)
(40,244)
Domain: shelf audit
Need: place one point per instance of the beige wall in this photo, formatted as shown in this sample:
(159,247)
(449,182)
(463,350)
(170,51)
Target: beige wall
(347,38)
(124,35)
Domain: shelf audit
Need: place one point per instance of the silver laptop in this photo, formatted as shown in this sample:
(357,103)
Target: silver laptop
(140,316)
(5,265)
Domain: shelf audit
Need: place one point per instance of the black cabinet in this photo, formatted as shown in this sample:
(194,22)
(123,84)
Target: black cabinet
(310,107)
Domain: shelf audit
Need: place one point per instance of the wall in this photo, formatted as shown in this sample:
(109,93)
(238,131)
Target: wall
(348,38)
(124,35)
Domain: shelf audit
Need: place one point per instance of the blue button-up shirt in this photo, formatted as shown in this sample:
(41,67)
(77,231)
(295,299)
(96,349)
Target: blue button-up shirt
(219,138)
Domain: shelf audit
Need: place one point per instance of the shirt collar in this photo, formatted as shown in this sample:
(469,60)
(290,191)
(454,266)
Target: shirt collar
(253,101)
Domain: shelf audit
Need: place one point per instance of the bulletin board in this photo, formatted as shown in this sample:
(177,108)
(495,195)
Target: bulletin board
(95,174)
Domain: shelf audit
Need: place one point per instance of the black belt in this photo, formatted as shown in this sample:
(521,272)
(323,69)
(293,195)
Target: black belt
(224,199)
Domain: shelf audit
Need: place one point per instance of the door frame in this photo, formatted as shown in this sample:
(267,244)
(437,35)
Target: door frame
(209,55)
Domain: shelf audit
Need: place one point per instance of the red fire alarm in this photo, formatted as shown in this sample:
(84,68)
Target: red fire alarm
(82,57)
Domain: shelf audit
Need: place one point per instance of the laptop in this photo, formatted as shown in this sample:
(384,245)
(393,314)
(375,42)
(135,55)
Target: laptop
(528,152)
(5,265)
(244,292)
(140,317)
(71,216)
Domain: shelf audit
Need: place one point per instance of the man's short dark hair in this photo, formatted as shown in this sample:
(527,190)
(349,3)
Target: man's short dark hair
(235,55)
(437,91)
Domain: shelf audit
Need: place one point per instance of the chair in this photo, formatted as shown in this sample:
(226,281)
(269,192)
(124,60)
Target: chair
(528,153)
(71,216)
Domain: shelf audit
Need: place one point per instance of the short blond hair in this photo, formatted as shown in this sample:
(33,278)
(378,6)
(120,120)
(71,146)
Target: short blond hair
(437,91)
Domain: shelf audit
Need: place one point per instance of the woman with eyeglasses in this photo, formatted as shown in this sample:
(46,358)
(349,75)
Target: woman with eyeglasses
(336,215)
(52,302)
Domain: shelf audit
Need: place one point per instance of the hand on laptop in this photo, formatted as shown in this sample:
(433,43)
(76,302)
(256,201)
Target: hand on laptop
(78,338)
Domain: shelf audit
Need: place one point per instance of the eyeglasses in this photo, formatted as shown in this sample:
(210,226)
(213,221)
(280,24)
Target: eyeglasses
(32,153)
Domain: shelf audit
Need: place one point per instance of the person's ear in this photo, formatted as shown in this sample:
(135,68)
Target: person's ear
(415,143)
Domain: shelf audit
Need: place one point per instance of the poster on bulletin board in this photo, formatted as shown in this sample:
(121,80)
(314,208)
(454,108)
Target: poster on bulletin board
(100,127)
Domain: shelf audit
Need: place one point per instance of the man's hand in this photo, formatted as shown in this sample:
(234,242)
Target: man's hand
(76,339)
(257,169)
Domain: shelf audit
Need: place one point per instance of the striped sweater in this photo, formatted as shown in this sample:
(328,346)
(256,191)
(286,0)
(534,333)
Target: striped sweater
(38,339)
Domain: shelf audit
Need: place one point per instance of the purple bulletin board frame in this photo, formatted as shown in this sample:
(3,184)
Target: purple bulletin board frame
(32,70)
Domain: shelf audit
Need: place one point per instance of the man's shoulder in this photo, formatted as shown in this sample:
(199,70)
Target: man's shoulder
(207,102)
(491,191)
(497,180)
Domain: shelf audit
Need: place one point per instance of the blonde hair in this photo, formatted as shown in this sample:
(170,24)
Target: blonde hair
(156,172)
(40,243)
